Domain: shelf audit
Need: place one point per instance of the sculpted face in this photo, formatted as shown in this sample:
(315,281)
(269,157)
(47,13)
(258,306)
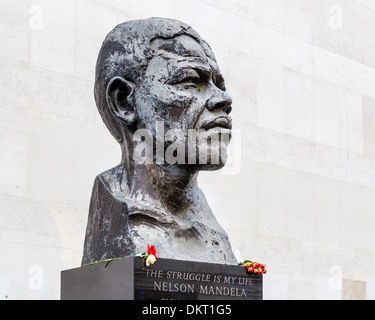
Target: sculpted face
(158,87)
(184,90)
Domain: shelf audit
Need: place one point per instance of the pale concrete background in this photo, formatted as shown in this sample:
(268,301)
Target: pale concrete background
(300,195)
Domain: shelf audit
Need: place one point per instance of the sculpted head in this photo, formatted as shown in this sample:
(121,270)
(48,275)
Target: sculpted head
(160,75)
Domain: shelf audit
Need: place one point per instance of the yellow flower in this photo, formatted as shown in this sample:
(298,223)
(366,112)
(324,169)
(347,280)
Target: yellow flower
(150,260)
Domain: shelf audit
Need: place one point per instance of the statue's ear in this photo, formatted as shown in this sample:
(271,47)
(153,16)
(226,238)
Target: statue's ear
(119,99)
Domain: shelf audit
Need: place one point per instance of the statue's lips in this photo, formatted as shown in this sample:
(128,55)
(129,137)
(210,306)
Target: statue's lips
(220,122)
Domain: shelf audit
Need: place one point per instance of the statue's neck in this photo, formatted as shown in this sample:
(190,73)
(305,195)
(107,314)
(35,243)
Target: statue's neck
(171,187)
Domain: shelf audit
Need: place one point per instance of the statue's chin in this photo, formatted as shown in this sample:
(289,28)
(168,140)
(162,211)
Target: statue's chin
(210,167)
(214,159)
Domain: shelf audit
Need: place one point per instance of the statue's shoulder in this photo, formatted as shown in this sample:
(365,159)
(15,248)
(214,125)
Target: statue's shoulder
(114,181)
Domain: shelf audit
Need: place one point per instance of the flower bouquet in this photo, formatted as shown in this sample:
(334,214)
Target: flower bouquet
(149,256)
(254,267)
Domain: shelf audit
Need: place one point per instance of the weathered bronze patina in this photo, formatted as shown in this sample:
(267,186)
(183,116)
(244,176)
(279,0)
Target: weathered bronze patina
(158,75)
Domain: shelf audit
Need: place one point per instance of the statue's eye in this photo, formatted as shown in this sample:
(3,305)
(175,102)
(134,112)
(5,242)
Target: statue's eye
(219,82)
(191,81)
(188,77)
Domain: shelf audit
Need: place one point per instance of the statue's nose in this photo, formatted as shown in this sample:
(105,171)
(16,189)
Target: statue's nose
(221,101)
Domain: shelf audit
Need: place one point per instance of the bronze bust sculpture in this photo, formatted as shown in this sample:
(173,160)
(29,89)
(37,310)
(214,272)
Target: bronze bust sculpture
(160,92)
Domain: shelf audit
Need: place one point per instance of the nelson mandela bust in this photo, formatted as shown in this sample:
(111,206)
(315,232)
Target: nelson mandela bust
(158,76)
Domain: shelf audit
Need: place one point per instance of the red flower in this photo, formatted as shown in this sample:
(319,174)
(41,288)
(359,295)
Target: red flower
(151,251)
(254,267)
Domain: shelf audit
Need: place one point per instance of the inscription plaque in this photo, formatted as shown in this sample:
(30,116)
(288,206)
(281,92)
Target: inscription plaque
(130,279)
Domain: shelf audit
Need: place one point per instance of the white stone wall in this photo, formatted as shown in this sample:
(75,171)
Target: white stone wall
(300,194)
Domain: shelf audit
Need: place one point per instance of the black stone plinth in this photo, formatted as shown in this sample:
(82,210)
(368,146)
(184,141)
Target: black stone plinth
(130,279)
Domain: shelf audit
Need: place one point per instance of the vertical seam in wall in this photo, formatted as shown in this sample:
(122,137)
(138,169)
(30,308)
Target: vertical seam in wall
(75,38)
(29,53)
(347,122)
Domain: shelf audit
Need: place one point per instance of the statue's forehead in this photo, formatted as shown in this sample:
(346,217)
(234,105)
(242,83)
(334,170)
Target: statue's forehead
(183,50)
(182,46)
